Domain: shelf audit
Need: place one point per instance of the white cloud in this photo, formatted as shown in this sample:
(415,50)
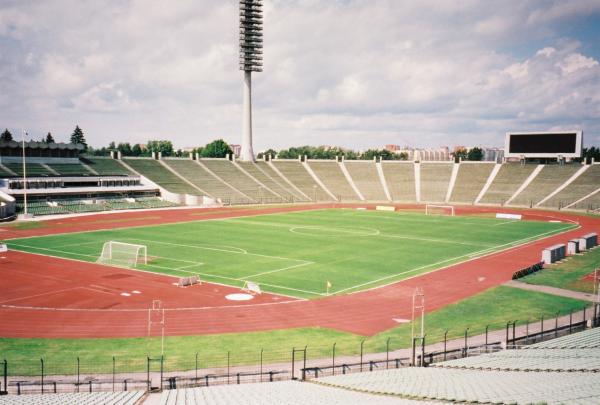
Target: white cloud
(353,73)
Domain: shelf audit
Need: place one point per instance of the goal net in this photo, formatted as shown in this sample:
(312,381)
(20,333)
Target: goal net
(123,254)
(432,209)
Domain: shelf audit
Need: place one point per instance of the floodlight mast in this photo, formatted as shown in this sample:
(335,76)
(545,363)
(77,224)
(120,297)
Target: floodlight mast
(251,45)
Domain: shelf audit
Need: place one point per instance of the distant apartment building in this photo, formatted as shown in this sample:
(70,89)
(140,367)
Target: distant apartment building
(422,154)
(237,149)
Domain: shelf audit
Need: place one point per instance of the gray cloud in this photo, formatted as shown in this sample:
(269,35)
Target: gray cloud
(352,73)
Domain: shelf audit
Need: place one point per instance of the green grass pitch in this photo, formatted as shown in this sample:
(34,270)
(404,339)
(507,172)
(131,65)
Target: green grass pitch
(297,253)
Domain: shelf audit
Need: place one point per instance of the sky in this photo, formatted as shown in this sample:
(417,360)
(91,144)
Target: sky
(357,74)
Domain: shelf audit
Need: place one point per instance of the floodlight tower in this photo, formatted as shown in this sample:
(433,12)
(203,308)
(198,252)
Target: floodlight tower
(250,61)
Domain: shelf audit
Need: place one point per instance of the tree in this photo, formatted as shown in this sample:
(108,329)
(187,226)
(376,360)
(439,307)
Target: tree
(78,138)
(136,150)
(49,138)
(216,149)
(162,146)
(268,152)
(6,136)
(475,154)
(124,148)
(460,153)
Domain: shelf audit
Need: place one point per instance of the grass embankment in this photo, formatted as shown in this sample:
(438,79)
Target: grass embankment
(569,273)
(494,307)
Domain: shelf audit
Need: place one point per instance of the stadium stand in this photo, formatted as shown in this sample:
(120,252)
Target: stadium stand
(435,178)
(507,182)
(331,175)
(547,180)
(252,169)
(470,180)
(276,393)
(269,171)
(229,173)
(94,398)
(72,169)
(586,183)
(400,178)
(32,169)
(365,177)
(153,170)
(198,175)
(105,166)
(297,174)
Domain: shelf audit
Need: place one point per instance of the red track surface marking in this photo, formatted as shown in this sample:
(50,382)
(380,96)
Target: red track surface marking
(84,299)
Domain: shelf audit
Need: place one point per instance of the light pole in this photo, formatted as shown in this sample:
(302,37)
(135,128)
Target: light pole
(24,174)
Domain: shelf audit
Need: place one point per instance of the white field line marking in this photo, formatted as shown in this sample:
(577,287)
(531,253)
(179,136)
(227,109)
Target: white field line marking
(38,295)
(278,270)
(374,232)
(507,222)
(341,231)
(216,249)
(469,257)
(169,268)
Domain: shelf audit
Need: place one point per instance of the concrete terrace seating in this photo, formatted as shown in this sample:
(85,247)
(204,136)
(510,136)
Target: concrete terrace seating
(435,179)
(73,169)
(33,169)
(237,179)
(507,182)
(587,339)
(547,180)
(297,174)
(268,169)
(365,177)
(94,398)
(333,178)
(400,179)
(197,175)
(153,170)
(106,166)
(470,179)
(583,185)
(276,185)
(276,393)
(459,385)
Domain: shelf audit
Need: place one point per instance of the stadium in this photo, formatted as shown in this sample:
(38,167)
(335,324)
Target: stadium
(268,279)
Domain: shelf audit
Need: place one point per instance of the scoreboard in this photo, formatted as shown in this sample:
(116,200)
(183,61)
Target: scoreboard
(556,144)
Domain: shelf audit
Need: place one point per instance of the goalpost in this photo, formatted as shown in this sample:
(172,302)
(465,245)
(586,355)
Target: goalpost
(433,209)
(123,254)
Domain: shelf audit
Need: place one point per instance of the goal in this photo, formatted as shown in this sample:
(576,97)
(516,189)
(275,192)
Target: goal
(432,209)
(123,254)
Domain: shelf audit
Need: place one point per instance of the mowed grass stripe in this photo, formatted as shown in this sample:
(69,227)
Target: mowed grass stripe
(298,253)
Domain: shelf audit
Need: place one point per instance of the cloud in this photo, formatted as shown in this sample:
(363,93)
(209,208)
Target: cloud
(352,73)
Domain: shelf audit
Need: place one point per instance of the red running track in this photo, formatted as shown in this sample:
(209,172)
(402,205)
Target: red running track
(73,299)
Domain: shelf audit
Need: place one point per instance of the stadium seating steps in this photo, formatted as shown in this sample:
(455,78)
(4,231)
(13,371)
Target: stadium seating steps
(333,178)
(470,180)
(546,181)
(94,398)
(156,172)
(365,177)
(435,179)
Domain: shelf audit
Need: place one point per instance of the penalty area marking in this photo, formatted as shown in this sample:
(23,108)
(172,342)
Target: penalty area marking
(333,231)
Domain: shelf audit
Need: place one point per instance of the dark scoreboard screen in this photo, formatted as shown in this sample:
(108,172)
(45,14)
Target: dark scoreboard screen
(560,143)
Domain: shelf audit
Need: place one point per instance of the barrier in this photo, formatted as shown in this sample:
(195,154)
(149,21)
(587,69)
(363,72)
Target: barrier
(554,253)
(588,241)
(508,216)
(385,208)
(528,270)
(573,247)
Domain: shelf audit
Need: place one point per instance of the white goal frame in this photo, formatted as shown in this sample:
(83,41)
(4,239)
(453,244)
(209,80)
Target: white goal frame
(428,208)
(138,254)
(252,288)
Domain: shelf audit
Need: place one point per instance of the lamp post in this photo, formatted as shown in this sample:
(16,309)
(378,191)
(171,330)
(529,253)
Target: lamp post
(24,174)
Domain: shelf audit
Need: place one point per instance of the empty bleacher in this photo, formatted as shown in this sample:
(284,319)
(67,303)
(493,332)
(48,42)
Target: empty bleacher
(400,179)
(276,393)
(470,180)
(366,178)
(547,180)
(105,166)
(269,181)
(70,169)
(507,182)
(153,170)
(196,174)
(237,179)
(586,183)
(435,179)
(32,169)
(94,398)
(333,178)
(295,172)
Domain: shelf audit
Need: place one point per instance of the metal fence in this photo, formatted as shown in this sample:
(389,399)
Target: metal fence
(158,373)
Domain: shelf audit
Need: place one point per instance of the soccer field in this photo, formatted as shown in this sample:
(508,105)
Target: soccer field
(298,253)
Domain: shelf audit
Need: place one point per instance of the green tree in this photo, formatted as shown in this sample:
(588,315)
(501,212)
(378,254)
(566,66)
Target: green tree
(268,152)
(216,149)
(124,148)
(136,150)
(49,138)
(112,146)
(163,146)
(78,138)
(460,153)
(475,154)
(6,136)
